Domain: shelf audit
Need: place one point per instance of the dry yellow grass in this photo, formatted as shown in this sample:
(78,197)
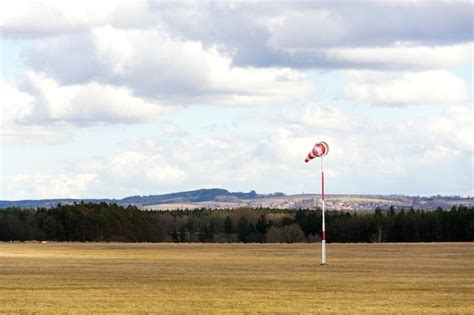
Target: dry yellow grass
(237,278)
(362,199)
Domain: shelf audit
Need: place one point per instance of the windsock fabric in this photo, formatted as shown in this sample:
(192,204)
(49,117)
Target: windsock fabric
(320,149)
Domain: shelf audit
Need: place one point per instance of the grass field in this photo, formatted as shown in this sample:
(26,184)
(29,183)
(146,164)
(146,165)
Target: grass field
(237,278)
(362,199)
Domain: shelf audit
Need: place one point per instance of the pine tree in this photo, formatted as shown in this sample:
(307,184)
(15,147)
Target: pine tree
(175,235)
(228,227)
(262,226)
(243,230)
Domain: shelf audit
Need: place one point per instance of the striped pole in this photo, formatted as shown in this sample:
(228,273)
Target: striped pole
(323,232)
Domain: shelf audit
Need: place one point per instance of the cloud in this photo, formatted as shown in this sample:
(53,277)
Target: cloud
(123,173)
(137,166)
(16,111)
(34,19)
(47,114)
(167,69)
(452,130)
(89,103)
(320,117)
(37,134)
(44,111)
(325,35)
(40,185)
(123,62)
(284,34)
(427,87)
(402,56)
(287,24)
(172,130)
(16,106)
(353,24)
(415,155)
(227,159)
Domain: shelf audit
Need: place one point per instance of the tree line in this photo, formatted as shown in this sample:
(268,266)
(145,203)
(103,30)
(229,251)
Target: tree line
(109,222)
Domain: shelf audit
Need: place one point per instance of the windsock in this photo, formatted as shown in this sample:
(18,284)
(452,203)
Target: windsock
(320,149)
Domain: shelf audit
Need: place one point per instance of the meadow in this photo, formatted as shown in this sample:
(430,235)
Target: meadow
(415,278)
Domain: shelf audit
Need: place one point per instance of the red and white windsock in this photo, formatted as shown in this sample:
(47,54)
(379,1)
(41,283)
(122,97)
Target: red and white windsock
(320,149)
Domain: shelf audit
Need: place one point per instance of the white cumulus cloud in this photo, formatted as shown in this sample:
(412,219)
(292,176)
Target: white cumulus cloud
(33,18)
(15,105)
(41,185)
(427,87)
(91,102)
(404,56)
(138,166)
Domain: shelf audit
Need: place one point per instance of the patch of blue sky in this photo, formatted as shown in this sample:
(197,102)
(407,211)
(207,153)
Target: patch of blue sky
(205,120)
(92,142)
(11,61)
(331,93)
(330,84)
(18,159)
(465,72)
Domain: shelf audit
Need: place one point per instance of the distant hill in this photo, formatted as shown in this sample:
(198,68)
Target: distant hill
(46,203)
(187,196)
(200,195)
(217,198)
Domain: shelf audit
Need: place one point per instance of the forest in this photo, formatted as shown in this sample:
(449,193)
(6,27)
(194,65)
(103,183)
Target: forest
(109,222)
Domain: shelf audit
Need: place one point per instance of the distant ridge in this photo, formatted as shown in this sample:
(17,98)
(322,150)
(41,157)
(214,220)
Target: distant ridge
(218,198)
(188,196)
(199,195)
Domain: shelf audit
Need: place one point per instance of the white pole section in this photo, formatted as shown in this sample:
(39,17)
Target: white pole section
(323,234)
(320,149)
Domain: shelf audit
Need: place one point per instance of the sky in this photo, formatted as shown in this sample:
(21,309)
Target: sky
(107,99)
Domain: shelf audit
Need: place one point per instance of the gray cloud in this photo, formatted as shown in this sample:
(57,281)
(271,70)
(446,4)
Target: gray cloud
(376,24)
(283,34)
(298,34)
(70,58)
(223,52)
(158,66)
